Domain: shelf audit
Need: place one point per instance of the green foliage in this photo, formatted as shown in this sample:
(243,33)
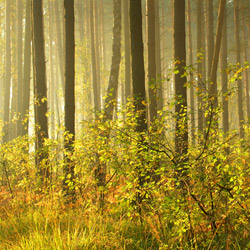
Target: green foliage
(205,208)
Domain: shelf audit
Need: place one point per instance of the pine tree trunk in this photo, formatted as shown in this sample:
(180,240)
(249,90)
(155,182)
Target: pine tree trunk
(199,67)
(128,90)
(59,43)
(96,90)
(27,69)
(190,53)
(224,78)
(69,109)
(238,58)
(213,74)
(40,87)
(19,64)
(151,60)
(7,74)
(138,71)
(181,127)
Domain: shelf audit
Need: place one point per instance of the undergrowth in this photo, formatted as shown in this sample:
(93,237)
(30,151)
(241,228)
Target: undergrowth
(205,208)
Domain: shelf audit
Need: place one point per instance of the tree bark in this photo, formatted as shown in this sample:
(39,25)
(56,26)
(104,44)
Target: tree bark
(199,67)
(213,74)
(138,71)
(7,74)
(238,58)
(19,65)
(190,53)
(40,87)
(26,69)
(69,27)
(115,65)
(224,78)
(96,90)
(128,90)
(181,127)
(151,60)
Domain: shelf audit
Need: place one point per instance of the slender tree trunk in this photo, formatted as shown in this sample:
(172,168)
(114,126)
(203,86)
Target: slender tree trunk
(96,90)
(69,27)
(245,54)
(191,89)
(213,74)
(238,58)
(97,48)
(7,74)
(151,60)
(115,65)
(224,78)
(112,90)
(199,67)
(52,78)
(40,88)
(210,35)
(138,71)
(103,40)
(128,90)
(19,64)
(59,42)
(181,127)
(158,61)
(26,69)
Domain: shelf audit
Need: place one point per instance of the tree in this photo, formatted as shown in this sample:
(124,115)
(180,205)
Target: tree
(7,74)
(210,35)
(138,71)
(59,37)
(40,87)
(26,68)
(199,66)
(213,73)
(238,58)
(69,27)
(151,60)
(96,89)
(19,64)
(128,91)
(190,53)
(115,65)
(181,127)
(224,78)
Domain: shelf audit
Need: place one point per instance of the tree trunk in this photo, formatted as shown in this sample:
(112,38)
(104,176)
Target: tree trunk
(158,61)
(7,74)
(59,43)
(245,53)
(97,48)
(40,87)
(224,78)
(199,67)
(138,71)
(96,90)
(115,65)
(52,78)
(19,64)
(27,69)
(69,27)
(128,90)
(181,127)
(210,35)
(238,58)
(213,74)
(191,89)
(151,60)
